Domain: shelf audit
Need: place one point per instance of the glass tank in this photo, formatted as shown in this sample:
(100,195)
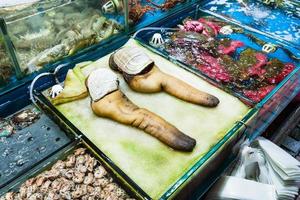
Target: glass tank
(142,13)
(6,69)
(281,18)
(245,63)
(275,103)
(43,32)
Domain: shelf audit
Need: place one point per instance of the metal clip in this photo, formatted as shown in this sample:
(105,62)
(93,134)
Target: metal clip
(269,48)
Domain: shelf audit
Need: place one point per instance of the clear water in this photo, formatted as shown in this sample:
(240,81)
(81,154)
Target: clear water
(283,21)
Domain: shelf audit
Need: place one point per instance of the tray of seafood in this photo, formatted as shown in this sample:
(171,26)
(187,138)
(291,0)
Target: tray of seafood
(250,66)
(278,18)
(43,32)
(141,115)
(26,139)
(74,173)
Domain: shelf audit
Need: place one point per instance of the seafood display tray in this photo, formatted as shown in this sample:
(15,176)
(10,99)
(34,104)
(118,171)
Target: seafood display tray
(57,128)
(28,147)
(145,160)
(270,106)
(62,155)
(281,22)
(251,41)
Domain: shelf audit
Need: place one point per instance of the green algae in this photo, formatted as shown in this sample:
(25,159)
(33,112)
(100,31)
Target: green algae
(273,68)
(247,58)
(225,42)
(233,68)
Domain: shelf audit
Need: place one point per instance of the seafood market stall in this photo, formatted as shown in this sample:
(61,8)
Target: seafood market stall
(137,99)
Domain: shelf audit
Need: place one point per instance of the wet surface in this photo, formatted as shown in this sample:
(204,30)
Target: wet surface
(282,21)
(28,144)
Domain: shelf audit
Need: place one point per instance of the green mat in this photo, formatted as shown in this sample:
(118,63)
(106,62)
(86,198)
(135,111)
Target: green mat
(151,164)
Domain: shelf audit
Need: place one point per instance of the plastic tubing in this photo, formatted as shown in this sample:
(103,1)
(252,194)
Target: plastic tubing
(31,88)
(153,29)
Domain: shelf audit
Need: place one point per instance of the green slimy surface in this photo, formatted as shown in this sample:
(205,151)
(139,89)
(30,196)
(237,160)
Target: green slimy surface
(152,165)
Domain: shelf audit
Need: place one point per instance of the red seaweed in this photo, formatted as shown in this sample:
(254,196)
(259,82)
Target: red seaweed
(258,69)
(288,68)
(215,27)
(251,74)
(257,95)
(231,48)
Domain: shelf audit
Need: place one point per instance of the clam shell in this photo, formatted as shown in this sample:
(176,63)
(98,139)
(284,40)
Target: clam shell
(131,60)
(101,82)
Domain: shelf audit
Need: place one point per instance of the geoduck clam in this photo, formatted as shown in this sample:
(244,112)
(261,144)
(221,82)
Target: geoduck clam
(142,75)
(109,101)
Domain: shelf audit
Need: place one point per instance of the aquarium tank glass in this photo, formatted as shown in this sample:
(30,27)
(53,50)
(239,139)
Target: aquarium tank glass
(43,32)
(280,18)
(6,69)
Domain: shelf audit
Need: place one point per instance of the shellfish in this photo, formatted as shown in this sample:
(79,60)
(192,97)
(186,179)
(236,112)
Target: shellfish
(109,102)
(142,75)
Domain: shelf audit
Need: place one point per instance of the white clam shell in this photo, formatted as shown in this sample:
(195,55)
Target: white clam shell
(101,82)
(132,60)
